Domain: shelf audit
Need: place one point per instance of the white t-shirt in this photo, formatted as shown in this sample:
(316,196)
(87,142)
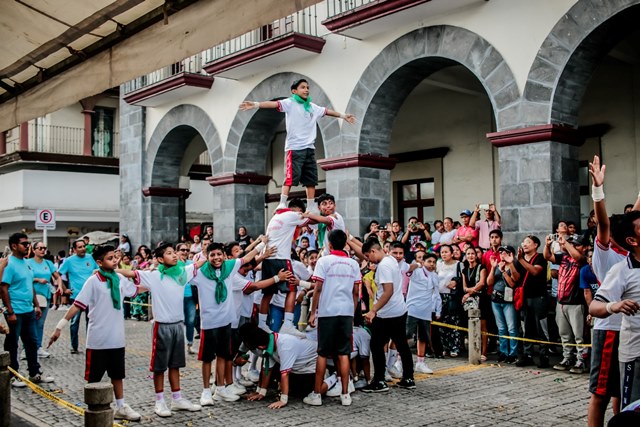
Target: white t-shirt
(281,230)
(212,314)
(623,282)
(106,324)
(423,298)
(388,271)
(446,272)
(605,257)
(337,223)
(167,295)
(301,125)
(295,355)
(447,237)
(243,302)
(338,274)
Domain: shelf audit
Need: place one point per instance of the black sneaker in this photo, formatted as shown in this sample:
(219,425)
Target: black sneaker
(564,365)
(74,351)
(376,387)
(502,357)
(543,363)
(407,383)
(511,359)
(524,361)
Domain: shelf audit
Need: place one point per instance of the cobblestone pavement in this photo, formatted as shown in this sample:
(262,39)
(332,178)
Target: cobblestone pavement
(457,394)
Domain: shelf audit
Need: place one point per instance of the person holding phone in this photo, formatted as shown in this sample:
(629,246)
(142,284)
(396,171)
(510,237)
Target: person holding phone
(491,222)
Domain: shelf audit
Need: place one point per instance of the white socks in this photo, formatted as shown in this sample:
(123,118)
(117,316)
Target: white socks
(283,201)
(119,403)
(288,319)
(262,320)
(331,380)
(393,356)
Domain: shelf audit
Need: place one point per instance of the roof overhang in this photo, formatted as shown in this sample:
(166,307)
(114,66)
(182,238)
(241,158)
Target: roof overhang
(56,53)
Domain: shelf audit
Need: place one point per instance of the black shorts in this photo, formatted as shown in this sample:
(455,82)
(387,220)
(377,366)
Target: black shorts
(300,167)
(98,362)
(270,268)
(214,343)
(629,382)
(604,378)
(335,336)
(421,325)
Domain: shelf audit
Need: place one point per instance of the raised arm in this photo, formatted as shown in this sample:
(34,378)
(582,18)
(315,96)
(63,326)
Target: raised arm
(599,207)
(250,105)
(546,252)
(474,216)
(349,118)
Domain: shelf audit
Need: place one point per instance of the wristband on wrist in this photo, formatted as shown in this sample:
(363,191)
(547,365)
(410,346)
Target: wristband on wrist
(305,285)
(261,391)
(609,309)
(597,193)
(276,279)
(284,398)
(256,104)
(62,323)
(260,246)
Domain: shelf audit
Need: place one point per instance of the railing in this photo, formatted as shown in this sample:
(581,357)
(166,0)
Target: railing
(191,65)
(66,140)
(336,7)
(304,22)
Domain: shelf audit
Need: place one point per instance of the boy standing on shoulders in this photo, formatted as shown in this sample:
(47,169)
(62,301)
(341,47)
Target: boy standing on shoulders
(102,296)
(301,120)
(337,280)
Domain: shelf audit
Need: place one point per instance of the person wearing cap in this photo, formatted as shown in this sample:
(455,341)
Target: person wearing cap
(301,118)
(570,308)
(503,277)
(466,234)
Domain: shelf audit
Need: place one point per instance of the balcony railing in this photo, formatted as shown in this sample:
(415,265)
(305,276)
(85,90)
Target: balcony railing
(336,7)
(191,65)
(304,22)
(66,140)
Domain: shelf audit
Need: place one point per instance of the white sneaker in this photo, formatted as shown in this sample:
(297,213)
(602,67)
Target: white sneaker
(387,376)
(345,399)
(253,375)
(183,404)
(291,330)
(351,388)
(422,368)
(265,328)
(66,307)
(336,390)
(23,355)
(17,383)
(313,399)
(361,383)
(190,349)
(394,372)
(41,379)
(237,389)
(126,413)
(224,393)
(42,354)
(206,399)
(161,409)
(245,382)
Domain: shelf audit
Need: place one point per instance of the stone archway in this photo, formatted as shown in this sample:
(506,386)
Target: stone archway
(167,146)
(561,71)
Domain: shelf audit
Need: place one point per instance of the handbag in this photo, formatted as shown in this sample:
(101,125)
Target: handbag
(519,291)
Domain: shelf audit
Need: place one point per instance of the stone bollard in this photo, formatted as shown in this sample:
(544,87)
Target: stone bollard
(475,337)
(5,390)
(304,314)
(98,397)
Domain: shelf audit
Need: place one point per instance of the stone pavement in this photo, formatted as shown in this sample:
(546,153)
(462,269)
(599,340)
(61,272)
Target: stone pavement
(457,394)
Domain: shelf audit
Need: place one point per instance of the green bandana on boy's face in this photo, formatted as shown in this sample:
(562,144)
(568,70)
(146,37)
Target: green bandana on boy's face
(305,102)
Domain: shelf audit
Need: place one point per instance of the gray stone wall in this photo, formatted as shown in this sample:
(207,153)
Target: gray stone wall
(164,219)
(538,187)
(236,205)
(133,220)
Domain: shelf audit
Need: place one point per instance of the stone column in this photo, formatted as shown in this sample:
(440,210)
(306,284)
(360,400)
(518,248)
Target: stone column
(5,390)
(166,213)
(361,184)
(3,143)
(24,136)
(86,146)
(132,160)
(238,199)
(538,179)
(98,397)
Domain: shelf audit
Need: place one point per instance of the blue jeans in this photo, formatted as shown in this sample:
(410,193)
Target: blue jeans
(276,316)
(189,317)
(24,329)
(507,322)
(75,327)
(40,325)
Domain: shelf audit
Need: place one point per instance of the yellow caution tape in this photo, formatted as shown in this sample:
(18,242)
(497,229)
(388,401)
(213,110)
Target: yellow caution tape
(460,328)
(48,395)
(137,303)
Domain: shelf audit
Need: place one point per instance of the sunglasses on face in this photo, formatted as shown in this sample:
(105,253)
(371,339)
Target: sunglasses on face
(183,250)
(44,248)
(25,244)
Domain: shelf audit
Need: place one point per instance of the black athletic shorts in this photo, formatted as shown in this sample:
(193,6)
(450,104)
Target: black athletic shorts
(300,167)
(270,268)
(604,378)
(214,343)
(98,362)
(335,336)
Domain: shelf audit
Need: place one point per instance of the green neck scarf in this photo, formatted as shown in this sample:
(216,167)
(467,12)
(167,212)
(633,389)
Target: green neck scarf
(268,352)
(176,272)
(210,273)
(113,283)
(306,103)
(322,230)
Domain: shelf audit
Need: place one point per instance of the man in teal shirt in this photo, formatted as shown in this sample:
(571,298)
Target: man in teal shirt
(22,309)
(78,269)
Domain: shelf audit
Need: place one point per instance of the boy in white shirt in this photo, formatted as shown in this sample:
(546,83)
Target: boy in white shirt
(327,221)
(301,120)
(423,299)
(336,284)
(102,295)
